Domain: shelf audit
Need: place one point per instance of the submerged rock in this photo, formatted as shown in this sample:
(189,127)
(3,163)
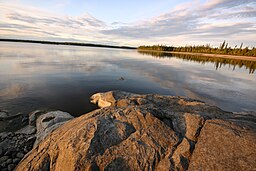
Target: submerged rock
(148,132)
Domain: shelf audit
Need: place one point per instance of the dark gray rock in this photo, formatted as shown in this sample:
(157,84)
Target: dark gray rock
(4,144)
(27,130)
(33,117)
(1,151)
(4,164)
(3,114)
(9,161)
(3,159)
(11,167)
(30,141)
(16,160)
(20,155)
(14,154)
(3,135)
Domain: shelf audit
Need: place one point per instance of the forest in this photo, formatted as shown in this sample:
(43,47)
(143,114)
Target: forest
(219,62)
(224,49)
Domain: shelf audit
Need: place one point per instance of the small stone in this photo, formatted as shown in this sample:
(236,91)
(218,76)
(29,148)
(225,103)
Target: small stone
(4,144)
(9,161)
(4,164)
(31,140)
(25,150)
(24,119)
(3,159)
(16,160)
(14,154)
(11,167)
(20,155)
(3,135)
(3,114)
(121,78)
(10,134)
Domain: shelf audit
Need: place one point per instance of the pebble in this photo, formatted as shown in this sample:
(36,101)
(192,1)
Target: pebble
(14,145)
(20,155)
(9,134)
(25,150)
(13,154)
(121,78)
(16,160)
(3,159)
(4,164)
(9,161)
(11,167)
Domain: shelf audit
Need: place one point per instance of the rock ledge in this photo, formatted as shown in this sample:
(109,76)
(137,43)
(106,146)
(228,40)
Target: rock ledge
(148,132)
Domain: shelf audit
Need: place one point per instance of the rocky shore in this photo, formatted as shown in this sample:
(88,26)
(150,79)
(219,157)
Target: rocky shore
(15,143)
(134,132)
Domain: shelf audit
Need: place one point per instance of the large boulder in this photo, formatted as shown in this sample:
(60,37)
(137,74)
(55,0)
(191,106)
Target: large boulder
(148,132)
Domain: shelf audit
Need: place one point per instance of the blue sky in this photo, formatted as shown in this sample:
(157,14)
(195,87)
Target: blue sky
(117,22)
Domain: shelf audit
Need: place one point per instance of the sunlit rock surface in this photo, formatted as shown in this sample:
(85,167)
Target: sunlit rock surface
(148,132)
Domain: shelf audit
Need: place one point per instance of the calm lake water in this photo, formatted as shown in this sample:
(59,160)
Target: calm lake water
(54,77)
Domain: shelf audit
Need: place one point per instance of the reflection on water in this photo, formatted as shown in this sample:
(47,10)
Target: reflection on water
(218,62)
(50,77)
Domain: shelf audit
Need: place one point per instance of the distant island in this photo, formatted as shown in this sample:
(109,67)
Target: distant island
(223,49)
(67,43)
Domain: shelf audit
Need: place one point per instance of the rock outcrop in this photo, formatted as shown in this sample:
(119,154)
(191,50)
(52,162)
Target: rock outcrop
(148,132)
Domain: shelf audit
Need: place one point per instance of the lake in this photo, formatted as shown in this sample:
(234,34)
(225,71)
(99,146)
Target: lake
(56,77)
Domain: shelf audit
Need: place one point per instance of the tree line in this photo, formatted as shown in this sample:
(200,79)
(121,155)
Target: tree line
(224,49)
(219,62)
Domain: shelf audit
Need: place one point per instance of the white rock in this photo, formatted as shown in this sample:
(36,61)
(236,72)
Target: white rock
(50,121)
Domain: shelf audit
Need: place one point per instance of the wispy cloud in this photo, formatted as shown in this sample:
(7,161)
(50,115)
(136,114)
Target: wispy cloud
(24,22)
(194,22)
(213,20)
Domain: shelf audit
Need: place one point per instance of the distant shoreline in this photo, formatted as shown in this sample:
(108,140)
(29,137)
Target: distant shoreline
(247,58)
(67,43)
(237,57)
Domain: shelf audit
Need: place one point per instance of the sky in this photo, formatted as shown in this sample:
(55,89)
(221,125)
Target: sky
(131,23)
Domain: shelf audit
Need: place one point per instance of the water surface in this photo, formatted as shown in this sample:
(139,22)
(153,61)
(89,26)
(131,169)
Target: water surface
(54,77)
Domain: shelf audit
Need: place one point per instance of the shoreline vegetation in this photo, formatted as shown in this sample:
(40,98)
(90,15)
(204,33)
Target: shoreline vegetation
(223,49)
(199,52)
(219,61)
(67,43)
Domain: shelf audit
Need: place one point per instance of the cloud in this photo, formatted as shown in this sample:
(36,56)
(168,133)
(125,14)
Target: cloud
(12,91)
(194,22)
(24,22)
(213,19)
